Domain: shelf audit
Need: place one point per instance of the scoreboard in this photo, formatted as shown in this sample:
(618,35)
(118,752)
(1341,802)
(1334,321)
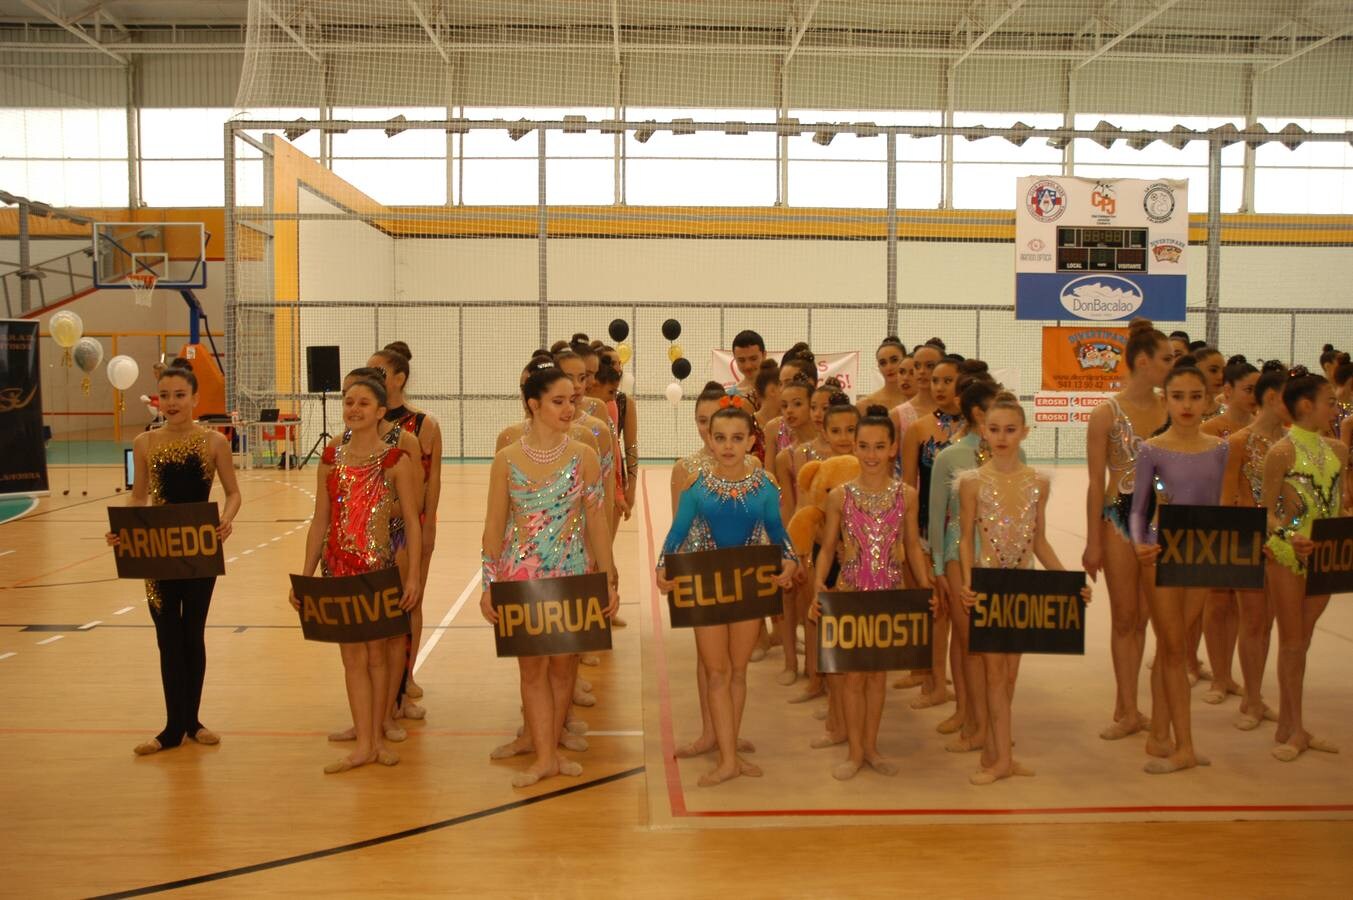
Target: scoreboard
(1100,249)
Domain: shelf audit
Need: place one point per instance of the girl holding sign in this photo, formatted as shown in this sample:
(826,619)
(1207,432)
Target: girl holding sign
(177,464)
(1113,439)
(1182,465)
(737,509)
(1243,485)
(1002,525)
(362,486)
(547,518)
(1302,476)
(873,520)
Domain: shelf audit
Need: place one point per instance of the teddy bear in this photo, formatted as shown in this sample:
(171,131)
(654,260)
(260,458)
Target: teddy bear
(815,480)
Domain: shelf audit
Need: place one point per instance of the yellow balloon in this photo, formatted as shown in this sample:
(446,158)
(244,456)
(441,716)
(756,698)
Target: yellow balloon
(624,351)
(66,328)
(674,353)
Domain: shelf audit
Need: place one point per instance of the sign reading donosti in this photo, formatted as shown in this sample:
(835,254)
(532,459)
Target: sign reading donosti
(1028,611)
(167,543)
(551,616)
(1330,568)
(873,631)
(1210,546)
(719,587)
(351,608)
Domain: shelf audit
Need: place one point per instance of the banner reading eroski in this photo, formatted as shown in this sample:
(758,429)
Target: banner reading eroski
(1100,250)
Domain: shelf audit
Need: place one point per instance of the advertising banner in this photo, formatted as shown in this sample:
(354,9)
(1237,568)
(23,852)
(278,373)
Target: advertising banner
(23,456)
(845,366)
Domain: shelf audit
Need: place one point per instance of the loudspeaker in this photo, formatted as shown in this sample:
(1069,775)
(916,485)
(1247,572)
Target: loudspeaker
(322,369)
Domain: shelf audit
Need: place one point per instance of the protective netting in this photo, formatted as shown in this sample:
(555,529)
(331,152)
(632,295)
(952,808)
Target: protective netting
(478,179)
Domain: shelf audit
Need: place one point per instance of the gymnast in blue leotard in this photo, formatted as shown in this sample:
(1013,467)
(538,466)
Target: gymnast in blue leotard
(737,509)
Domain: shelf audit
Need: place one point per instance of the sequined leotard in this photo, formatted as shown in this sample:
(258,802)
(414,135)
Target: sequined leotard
(942,519)
(181,471)
(362,504)
(1252,466)
(1189,479)
(738,513)
(547,524)
(1311,490)
(1007,516)
(1124,445)
(871,529)
(925,461)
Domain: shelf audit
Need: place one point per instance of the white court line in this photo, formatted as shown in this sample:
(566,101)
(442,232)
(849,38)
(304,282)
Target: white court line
(125,609)
(247,552)
(276,539)
(89,625)
(55,637)
(615,734)
(440,630)
(7,655)
(6,553)
(232,559)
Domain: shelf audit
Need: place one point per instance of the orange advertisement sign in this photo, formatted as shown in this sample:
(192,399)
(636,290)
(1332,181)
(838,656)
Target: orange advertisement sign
(1083,359)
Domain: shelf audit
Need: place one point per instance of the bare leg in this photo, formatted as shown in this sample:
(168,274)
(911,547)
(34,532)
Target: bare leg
(1219,628)
(789,629)
(1296,616)
(1127,643)
(742,638)
(875,693)
(1173,612)
(836,728)
(964,719)
(997,762)
(850,689)
(712,643)
(357,679)
(537,699)
(1256,627)
(815,686)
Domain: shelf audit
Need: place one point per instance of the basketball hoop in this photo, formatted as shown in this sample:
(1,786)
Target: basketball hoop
(142,285)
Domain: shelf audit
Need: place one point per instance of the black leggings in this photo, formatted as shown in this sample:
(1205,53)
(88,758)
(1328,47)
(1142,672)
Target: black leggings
(180,623)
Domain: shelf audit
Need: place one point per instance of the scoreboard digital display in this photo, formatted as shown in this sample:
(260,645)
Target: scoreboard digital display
(1101,249)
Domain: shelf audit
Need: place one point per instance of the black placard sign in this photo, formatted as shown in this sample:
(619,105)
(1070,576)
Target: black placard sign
(23,456)
(873,631)
(351,608)
(167,543)
(720,587)
(1210,546)
(551,616)
(1330,567)
(1027,611)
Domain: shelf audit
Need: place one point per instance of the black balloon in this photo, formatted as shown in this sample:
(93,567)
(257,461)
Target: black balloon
(681,368)
(671,329)
(619,330)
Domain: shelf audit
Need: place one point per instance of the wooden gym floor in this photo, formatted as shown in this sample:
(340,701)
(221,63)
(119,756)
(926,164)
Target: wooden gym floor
(79,815)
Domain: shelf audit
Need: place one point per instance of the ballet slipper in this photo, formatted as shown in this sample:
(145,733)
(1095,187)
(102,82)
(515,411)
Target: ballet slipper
(882,766)
(711,779)
(823,741)
(1020,769)
(1321,745)
(411,711)
(1286,752)
(1236,689)
(692,750)
(1124,727)
(1158,766)
(590,659)
(1194,678)
(206,737)
(575,726)
(339,737)
(387,757)
(396,735)
(750,770)
(508,750)
(786,677)
(1214,696)
(746,746)
(1158,749)
(413,690)
(926,701)
(526,779)
(569,768)
(846,770)
(581,699)
(573,742)
(984,777)
(963,744)
(147,748)
(582,684)
(820,714)
(758,654)
(951,724)
(346,763)
(807,695)
(908,681)
(617,622)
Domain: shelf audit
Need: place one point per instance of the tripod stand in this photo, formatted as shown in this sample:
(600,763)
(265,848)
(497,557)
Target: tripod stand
(324,435)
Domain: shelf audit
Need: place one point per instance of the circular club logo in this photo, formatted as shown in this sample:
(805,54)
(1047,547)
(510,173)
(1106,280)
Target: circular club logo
(1101,297)
(1036,245)
(1158,203)
(1046,201)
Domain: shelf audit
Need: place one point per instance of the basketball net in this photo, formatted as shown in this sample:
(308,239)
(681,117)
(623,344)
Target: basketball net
(142,285)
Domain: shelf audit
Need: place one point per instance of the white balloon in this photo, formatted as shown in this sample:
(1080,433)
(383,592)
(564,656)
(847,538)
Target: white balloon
(673,393)
(123,372)
(627,382)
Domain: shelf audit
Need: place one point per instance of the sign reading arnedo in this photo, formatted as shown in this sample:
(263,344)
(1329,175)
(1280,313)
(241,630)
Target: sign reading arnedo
(167,543)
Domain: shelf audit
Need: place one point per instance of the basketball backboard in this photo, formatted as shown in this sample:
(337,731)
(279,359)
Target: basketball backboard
(174,252)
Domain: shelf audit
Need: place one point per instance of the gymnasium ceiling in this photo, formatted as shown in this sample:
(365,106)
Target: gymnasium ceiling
(1266,31)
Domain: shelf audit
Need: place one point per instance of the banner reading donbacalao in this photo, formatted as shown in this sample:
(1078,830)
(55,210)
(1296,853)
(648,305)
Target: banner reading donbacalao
(23,458)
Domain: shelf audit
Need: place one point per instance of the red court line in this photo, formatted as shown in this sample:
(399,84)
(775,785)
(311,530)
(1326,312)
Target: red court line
(678,800)
(425,732)
(675,797)
(79,562)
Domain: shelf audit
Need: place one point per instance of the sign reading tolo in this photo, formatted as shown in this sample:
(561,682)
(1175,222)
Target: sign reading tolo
(1100,250)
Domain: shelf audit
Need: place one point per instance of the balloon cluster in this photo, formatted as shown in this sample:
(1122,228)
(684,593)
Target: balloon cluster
(681,366)
(67,329)
(619,329)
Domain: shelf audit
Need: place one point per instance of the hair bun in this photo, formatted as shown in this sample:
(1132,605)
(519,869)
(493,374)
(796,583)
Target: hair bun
(401,348)
(876,409)
(1140,324)
(1237,359)
(712,386)
(1328,348)
(180,362)
(768,364)
(838,399)
(1273,365)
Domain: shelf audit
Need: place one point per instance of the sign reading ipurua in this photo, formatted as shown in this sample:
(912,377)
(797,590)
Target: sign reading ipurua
(1210,546)
(351,608)
(167,543)
(1330,568)
(1028,611)
(719,587)
(1100,249)
(551,616)
(873,631)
